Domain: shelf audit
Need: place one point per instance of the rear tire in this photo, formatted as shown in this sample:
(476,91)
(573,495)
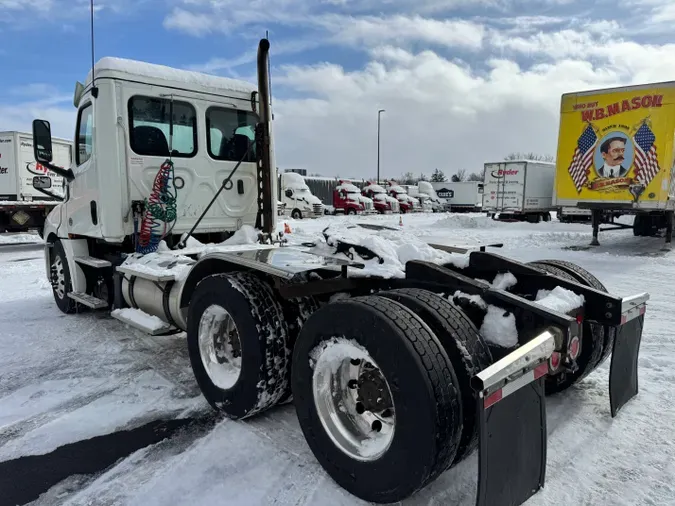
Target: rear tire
(426,409)
(464,345)
(241,371)
(596,344)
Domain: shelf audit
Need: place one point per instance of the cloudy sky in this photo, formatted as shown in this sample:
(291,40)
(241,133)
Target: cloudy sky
(462,81)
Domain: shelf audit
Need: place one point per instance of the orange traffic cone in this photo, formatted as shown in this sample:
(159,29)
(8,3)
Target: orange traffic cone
(400,221)
(287,229)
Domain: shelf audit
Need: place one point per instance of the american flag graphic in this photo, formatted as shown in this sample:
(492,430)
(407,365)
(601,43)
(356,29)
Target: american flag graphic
(646,162)
(583,157)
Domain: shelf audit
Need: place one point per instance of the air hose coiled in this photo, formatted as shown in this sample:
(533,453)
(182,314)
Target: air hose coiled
(160,211)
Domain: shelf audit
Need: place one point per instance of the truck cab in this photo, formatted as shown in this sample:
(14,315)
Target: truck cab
(425,187)
(132,119)
(407,203)
(383,203)
(347,199)
(298,198)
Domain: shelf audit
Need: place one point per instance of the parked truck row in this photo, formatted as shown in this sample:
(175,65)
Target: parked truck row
(392,382)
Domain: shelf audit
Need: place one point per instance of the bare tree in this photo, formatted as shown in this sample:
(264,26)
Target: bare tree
(438,176)
(459,176)
(530,156)
(423,177)
(475,176)
(408,178)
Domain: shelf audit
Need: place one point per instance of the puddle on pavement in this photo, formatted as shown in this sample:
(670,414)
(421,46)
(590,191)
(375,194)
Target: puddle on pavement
(24,479)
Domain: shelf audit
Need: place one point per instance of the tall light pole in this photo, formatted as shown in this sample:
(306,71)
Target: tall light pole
(379,113)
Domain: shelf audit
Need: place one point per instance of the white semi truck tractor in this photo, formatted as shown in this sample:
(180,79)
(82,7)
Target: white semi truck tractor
(394,383)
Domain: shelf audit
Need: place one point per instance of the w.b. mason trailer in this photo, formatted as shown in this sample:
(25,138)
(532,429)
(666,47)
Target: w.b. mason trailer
(392,381)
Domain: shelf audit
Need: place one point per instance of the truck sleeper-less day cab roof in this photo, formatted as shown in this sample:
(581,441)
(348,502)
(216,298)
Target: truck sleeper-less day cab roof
(124,136)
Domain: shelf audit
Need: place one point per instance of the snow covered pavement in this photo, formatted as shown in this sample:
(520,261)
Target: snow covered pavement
(65,379)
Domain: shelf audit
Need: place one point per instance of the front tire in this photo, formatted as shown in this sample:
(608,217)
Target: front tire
(351,211)
(404,386)
(237,341)
(61,281)
(296,214)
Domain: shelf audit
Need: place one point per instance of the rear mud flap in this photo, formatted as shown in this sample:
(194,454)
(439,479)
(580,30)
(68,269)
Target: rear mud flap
(512,455)
(623,372)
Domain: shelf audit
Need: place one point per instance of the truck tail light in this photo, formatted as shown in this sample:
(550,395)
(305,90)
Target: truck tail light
(554,362)
(575,347)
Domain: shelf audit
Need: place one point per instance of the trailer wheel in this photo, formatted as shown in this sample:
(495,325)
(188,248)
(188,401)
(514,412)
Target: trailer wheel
(237,344)
(60,279)
(595,350)
(377,398)
(464,345)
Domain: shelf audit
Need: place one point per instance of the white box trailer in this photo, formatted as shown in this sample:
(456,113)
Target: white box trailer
(22,207)
(519,190)
(460,196)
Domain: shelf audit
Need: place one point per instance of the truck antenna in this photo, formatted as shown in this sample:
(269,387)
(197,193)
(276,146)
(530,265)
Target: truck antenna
(94,89)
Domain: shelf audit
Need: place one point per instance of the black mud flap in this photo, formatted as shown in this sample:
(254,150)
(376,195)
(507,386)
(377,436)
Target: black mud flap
(512,455)
(623,371)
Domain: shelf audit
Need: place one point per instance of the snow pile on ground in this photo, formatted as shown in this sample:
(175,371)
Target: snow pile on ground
(499,327)
(559,299)
(245,235)
(143,319)
(468,220)
(504,281)
(160,264)
(394,248)
(19,238)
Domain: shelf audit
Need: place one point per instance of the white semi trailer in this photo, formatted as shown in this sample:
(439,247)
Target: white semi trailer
(22,207)
(519,190)
(393,385)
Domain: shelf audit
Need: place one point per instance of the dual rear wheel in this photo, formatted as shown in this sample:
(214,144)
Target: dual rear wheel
(377,381)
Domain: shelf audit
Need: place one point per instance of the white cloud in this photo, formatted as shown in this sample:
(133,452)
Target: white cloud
(196,24)
(19,115)
(443,113)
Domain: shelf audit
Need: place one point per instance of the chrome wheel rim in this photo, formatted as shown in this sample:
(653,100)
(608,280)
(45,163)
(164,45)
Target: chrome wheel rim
(353,400)
(220,347)
(58,277)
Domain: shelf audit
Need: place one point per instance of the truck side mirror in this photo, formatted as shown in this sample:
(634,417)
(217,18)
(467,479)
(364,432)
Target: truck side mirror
(42,182)
(42,141)
(289,193)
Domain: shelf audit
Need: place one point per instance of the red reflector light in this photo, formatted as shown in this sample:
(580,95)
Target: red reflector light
(554,361)
(493,399)
(574,347)
(580,319)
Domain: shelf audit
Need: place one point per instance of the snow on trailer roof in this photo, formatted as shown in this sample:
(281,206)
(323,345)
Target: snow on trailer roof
(121,68)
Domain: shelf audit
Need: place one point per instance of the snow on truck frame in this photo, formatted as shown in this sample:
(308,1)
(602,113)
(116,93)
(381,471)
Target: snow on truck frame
(396,374)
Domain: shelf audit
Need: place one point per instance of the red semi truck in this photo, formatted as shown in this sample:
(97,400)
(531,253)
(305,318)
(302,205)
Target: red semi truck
(383,203)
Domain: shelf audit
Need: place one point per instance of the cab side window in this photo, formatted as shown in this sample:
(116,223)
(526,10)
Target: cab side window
(229,133)
(85,141)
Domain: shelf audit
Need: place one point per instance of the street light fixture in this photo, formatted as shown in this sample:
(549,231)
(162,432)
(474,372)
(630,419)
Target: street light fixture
(379,113)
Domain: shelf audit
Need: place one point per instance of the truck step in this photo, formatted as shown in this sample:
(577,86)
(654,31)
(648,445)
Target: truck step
(93,262)
(160,278)
(88,300)
(142,321)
